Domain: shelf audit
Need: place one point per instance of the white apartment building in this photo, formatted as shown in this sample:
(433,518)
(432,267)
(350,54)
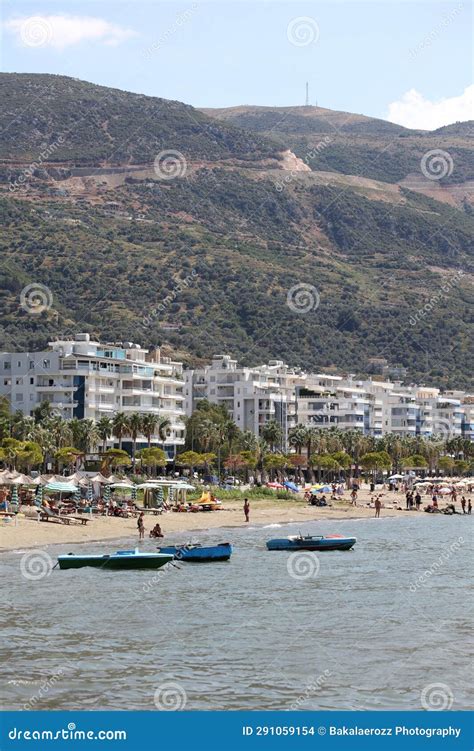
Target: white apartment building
(328,401)
(252,396)
(86,379)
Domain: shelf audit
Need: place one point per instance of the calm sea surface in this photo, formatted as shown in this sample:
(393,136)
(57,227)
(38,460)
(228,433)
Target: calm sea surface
(372,629)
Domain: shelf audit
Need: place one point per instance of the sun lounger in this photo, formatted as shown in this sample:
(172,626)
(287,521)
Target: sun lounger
(46,515)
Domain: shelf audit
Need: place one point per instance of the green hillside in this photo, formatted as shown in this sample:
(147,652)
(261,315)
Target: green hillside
(91,125)
(208,262)
(355,144)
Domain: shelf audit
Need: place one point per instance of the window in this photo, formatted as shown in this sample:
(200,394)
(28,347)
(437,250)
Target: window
(18,397)
(6,381)
(18,363)
(18,381)
(32,365)
(6,366)
(46,363)
(32,380)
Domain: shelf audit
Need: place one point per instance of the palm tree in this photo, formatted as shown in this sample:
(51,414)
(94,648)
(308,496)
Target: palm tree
(208,434)
(119,426)
(231,432)
(134,423)
(297,438)
(248,441)
(163,429)
(272,433)
(149,426)
(60,431)
(89,435)
(104,430)
(42,412)
(75,426)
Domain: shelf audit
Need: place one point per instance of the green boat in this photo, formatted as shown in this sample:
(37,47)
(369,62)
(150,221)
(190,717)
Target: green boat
(122,559)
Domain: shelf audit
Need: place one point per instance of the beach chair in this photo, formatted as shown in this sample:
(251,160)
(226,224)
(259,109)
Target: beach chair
(46,515)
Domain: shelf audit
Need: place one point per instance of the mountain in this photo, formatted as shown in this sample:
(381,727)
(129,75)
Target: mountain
(355,144)
(93,125)
(245,249)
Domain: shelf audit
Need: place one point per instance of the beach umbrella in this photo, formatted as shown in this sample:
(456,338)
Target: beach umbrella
(107,493)
(61,487)
(77,495)
(134,493)
(14,500)
(90,493)
(445,491)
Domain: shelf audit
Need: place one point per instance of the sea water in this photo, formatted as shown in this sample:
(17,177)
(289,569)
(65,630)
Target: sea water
(384,626)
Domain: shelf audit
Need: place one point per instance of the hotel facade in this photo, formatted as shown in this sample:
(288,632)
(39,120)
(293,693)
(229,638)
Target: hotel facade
(274,391)
(86,379)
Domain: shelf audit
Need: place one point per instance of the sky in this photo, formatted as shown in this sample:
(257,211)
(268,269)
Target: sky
(404,61)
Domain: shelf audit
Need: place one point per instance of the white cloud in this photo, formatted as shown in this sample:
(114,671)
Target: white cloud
(65,31)
(414,111)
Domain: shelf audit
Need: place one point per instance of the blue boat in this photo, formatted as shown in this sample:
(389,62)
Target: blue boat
(312,542)
(198,553)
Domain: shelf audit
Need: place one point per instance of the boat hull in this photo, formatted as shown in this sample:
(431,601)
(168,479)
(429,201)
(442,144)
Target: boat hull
(198,554)
(115,561)
(314,544)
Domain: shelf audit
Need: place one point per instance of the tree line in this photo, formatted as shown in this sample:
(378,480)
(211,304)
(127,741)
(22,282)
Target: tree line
(215,443)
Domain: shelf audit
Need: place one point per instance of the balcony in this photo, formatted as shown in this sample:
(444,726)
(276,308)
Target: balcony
(55,386)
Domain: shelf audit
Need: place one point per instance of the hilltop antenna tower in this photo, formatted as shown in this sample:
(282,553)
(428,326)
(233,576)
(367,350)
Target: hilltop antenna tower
(307,95)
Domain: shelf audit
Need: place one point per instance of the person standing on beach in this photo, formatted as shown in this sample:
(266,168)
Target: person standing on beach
(463,504)
(418,500)
(141,526)
(378,506)
(469,506)
(246,509)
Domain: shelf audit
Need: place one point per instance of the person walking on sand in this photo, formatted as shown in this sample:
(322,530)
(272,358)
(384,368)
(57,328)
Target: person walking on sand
(469,506)
(378,506)
(246,509)
(141,526)
(418,500)
(463,504)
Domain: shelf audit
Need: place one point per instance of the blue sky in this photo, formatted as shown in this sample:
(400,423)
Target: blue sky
(358,57)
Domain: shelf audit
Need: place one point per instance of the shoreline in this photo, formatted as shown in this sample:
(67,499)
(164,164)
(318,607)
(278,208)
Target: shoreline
(25,533)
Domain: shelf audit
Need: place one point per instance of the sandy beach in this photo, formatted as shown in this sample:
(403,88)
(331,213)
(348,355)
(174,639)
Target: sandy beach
(26,532)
